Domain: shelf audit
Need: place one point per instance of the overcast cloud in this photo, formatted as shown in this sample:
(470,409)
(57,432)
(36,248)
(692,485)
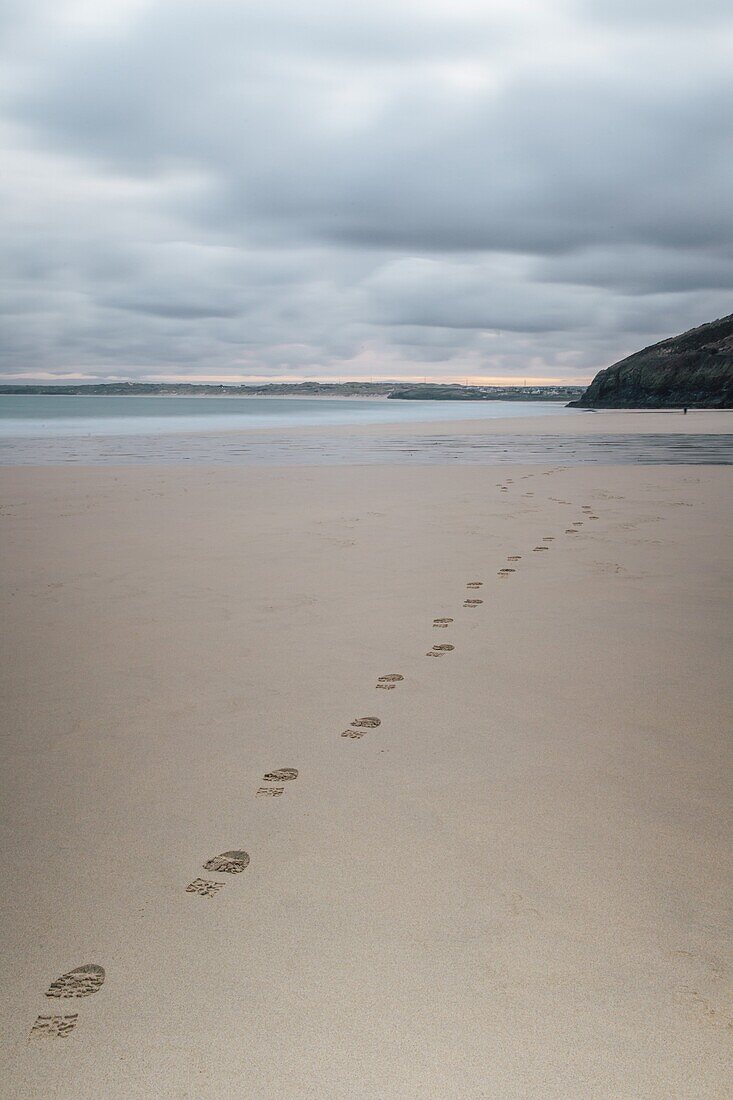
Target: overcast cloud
(229,189)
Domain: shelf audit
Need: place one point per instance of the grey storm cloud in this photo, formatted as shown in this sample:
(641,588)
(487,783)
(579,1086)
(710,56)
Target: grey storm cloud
(319,189)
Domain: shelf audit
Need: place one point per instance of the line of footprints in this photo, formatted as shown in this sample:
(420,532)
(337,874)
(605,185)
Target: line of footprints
(87,980)
(233,863)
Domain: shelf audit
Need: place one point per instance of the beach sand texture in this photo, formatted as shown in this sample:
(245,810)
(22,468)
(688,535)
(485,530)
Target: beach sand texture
(513,881)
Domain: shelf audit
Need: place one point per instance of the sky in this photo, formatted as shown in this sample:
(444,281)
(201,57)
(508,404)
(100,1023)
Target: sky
(239,190)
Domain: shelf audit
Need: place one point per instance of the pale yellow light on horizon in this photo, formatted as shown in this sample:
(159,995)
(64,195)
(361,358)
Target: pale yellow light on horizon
(258,380)
(456,380)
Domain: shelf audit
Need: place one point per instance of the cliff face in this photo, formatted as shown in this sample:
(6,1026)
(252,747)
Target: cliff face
(694,369)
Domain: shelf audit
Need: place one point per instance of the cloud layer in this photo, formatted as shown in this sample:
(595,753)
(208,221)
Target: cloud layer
(450,188)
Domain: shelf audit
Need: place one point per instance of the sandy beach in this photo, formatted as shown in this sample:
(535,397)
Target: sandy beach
(516,885)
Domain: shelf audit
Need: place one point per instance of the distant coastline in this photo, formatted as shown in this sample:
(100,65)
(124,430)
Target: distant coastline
(407,391)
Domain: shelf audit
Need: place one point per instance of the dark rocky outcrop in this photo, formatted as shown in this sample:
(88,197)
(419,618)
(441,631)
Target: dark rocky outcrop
(693,370)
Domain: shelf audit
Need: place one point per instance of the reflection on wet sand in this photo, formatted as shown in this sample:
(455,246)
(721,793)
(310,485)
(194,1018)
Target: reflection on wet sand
(470,449)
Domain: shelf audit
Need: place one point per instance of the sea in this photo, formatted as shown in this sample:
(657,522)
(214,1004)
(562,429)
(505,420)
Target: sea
(50,429)
(42,415)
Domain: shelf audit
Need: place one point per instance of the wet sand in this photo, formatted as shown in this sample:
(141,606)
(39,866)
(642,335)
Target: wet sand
(573,438)
(516,885)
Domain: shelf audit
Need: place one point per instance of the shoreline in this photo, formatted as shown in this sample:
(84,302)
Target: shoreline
(596,421)
(609,437)
(602,438)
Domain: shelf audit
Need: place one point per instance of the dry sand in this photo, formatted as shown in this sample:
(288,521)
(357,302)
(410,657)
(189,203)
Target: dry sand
(515,887)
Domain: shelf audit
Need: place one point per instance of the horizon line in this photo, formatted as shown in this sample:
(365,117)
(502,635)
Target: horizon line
(41,379)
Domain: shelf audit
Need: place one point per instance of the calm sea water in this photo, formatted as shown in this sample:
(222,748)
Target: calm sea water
(44,416)
(49,430)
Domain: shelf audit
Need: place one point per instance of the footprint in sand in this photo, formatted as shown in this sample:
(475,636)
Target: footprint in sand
(54,1027)
(281,775)
(442,622)
(506,572)
(592,517)
(474,584)
(440,650)
(228,863)
(472,603)
(577,523)
(548,538)
(390,681)
(362,725)
(514,557)
(537,548)
(571,530)
(81,982)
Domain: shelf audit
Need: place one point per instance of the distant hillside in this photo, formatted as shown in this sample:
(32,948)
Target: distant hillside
(449,392)
(440,393)
(205,389)
(423,391)
(693,370)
